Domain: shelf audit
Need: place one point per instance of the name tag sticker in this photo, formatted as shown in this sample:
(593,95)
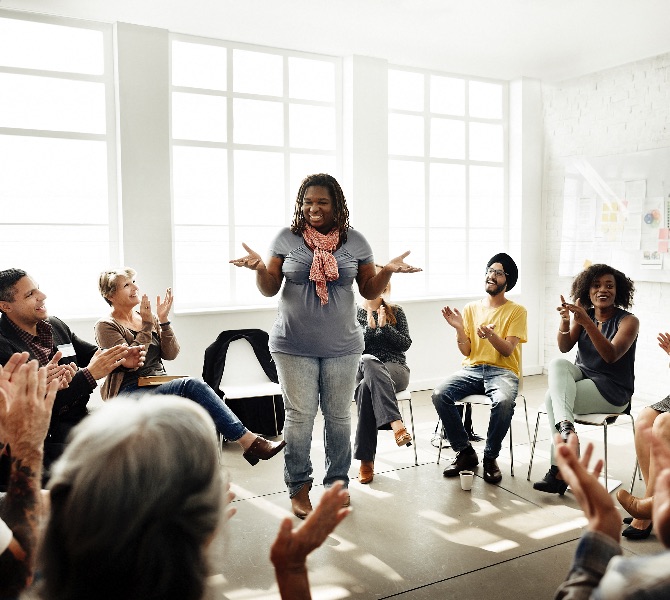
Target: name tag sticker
(67,350)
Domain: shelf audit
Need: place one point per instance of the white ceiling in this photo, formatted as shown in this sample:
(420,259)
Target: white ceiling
(550,40)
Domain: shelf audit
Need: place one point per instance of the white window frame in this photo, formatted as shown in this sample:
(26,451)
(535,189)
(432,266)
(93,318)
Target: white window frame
(427,160)
(239,277)
(55,283)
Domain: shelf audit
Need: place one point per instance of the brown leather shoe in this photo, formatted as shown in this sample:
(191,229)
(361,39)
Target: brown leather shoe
(300,502)
(367,471)
(262,449)
(640,508)
(347,501)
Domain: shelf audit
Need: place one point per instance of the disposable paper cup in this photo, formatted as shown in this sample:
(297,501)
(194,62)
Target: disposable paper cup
(467,478)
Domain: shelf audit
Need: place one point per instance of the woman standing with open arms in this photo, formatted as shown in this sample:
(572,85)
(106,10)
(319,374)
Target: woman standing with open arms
(316,341)
(601,379)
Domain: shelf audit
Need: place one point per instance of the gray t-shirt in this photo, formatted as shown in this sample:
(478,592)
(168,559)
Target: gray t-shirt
(303,326)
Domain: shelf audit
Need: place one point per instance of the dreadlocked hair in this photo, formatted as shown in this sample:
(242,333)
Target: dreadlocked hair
(340,210)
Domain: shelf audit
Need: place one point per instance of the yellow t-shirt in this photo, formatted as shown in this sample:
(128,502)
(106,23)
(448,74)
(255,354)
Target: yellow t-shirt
(509,320)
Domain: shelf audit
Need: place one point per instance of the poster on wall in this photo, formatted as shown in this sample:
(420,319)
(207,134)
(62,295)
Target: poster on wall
(616,210)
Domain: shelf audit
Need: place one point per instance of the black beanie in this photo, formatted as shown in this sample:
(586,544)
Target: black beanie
(509,266)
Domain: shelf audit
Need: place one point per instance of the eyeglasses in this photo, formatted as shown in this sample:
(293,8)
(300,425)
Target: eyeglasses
(496,272)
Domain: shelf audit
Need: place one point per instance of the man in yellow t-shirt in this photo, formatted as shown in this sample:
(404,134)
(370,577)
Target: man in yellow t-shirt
(488,334)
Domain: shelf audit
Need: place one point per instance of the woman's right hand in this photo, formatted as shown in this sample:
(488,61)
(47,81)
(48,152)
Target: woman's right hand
(664,341)
(145,310)
(251,261)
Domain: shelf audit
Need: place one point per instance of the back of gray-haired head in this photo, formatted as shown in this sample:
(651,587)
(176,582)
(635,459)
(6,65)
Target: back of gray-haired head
(135,498)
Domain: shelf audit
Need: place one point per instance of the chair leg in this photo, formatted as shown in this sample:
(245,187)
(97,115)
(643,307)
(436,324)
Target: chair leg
(274,410)
(605,437)
(219,448)
(411,418)
(511,451)
(525,409)
(636,470)
(532,447)
(439,449)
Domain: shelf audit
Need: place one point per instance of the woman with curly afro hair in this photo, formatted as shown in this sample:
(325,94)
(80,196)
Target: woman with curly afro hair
(601,378)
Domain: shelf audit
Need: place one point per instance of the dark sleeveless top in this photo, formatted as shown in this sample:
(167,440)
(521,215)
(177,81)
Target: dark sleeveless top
(615,381)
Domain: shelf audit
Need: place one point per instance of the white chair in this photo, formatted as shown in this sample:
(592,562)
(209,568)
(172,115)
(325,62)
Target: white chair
(597,420)
(483,399)
(406,396)
(243,377)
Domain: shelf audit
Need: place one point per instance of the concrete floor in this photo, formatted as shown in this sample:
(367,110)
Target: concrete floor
(414,534)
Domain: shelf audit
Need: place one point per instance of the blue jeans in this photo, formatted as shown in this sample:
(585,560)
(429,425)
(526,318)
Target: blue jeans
(500,385)
(225,420)
(308,383)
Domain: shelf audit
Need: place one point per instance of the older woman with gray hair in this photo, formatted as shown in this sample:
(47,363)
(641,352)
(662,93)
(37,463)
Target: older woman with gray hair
(127,325)
(135,500)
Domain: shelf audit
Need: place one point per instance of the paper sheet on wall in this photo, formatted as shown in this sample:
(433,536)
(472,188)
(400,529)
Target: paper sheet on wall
(577,247)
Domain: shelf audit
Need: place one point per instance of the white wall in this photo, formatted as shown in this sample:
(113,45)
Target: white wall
(617,111)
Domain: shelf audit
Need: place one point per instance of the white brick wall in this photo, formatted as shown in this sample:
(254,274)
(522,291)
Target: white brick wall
(617,111)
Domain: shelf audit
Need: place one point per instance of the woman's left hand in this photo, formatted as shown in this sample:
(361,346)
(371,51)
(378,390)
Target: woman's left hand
(163,308)
(398,265)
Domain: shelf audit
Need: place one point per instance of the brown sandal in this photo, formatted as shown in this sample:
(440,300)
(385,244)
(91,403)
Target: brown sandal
(402,438)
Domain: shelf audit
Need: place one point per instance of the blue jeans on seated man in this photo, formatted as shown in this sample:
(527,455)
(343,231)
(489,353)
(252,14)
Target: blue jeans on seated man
(225,420)
(500,385)
(307,384)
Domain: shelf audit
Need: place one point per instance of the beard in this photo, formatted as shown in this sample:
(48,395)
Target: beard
(498,289)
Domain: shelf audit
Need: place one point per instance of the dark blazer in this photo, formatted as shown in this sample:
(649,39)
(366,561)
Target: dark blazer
(70,405)
(215,355)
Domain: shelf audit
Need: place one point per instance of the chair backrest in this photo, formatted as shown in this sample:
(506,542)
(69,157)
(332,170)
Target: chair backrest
(243,375)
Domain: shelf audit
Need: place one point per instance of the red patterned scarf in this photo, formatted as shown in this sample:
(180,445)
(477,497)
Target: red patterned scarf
(324,265)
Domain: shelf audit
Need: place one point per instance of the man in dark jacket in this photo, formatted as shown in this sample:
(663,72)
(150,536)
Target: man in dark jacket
(25,326)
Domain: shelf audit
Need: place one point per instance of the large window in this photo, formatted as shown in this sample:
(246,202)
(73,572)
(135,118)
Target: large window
(447,179)
(57,220)
(248,124)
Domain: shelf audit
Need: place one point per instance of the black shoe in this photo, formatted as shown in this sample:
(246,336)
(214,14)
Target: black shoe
(633,533)
(465,459)
(565,428)
(627,520)
(551,484)
(492,472)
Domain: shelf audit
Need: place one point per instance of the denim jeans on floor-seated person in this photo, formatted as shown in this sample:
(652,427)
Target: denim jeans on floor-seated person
(225,420)
(500,385)
(308,383)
